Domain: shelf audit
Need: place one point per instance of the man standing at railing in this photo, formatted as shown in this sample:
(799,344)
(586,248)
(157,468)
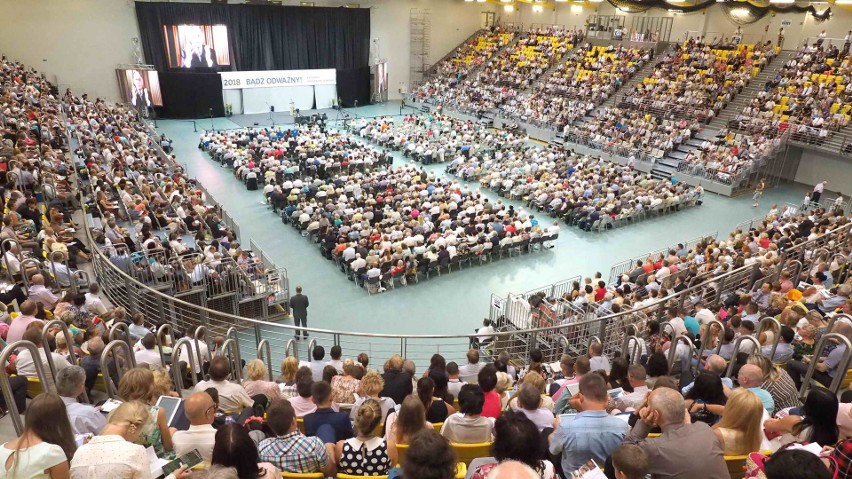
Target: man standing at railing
(299,307)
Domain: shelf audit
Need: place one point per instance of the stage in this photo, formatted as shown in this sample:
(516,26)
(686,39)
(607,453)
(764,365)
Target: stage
(284,118)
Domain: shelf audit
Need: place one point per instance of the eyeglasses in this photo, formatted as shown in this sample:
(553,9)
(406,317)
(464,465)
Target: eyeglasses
(210,409)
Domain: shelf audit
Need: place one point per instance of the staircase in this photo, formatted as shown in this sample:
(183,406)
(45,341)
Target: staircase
(544,77)
(667,166)
(750,91)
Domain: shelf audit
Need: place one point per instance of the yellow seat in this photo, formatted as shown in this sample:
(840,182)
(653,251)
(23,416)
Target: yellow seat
(303,475)
(654,434)
(736,466)
(340,475)
(401,449)
(100,385)
(300,422)
(468,452)
(461,470)
(34,387)
(438,426)
(847,379)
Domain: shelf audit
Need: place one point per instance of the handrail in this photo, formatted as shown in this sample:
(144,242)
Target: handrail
(705,342)
(262,346)
(8,397)
(777,326)
(233,346)
(841,370)
(69,342)
(176,372)
(112,389)
(673,352)
(737,350)
(162,331)
(123,328)
(199,331)
(291,346)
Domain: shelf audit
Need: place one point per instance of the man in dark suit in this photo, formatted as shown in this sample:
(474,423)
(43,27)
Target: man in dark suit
(299,307)
(397,382)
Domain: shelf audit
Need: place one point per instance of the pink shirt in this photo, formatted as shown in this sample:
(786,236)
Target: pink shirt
(18,326)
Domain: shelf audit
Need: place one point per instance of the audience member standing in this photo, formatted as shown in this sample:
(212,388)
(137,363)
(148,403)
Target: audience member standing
(299,308)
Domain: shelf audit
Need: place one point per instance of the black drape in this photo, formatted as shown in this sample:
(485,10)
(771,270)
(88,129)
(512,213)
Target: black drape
(190,95)
(353,85)
(266,37)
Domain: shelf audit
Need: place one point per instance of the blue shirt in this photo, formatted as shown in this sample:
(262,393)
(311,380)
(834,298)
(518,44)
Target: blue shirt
(337,420)
(765,398)
(589,435)
(691,325)
(783,353)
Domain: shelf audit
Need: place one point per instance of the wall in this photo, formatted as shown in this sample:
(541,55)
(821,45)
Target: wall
(79,43)
(815,167)
(76,43)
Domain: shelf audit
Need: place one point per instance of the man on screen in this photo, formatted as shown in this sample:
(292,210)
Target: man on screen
(140,96)
(196,53)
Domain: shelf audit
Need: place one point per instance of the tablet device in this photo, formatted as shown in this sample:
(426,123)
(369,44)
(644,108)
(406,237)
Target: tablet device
(190,459)
(170,405)
(573,389)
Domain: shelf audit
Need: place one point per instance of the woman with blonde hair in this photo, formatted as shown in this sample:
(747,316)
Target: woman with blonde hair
(138,385)
(344,386)
(504,382)
(255,382)
(777,382)
(371,385)
(116,453)
(365,454)
(287,380)
(740,431)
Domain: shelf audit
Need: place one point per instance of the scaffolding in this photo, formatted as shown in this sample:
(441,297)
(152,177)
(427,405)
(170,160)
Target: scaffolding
(420,39)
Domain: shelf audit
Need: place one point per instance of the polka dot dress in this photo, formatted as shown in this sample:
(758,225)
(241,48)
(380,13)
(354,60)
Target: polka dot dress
(365,458)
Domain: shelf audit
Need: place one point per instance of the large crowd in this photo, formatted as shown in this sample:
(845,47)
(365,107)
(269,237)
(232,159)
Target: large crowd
(589,76)
(697,80)
(379,224)
(629,414)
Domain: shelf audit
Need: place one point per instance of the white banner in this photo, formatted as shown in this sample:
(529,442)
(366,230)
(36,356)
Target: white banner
(277,78)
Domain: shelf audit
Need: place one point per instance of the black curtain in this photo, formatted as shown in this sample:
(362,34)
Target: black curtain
(266,37)
(190,95)
(353,86)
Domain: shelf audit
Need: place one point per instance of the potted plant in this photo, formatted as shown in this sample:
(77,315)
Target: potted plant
(229,109)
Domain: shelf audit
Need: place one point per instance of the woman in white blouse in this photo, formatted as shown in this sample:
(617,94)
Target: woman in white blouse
(113,454)
(45,446)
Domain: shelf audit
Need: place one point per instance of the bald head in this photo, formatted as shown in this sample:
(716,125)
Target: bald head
(842,328)
(196,409)
(513,470)
(716,364)
(669,404)
(750,376)
(37,279)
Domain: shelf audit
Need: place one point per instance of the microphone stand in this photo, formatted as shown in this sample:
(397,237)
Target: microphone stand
(211,121)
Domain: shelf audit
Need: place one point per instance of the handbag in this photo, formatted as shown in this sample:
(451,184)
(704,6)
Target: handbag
(755,466)
(703,415)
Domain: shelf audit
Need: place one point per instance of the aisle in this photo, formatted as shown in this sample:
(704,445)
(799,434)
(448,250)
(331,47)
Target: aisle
(456,302)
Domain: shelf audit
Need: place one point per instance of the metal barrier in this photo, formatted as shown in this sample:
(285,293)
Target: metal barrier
(776,327)
(736,348)
(163,332)
(69,342)
(263,346)
(8,397)
(841,370)
(231,351)
(706,338)
(685,365)
(120,366)
(291,349)
(201,335)
(177,374)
